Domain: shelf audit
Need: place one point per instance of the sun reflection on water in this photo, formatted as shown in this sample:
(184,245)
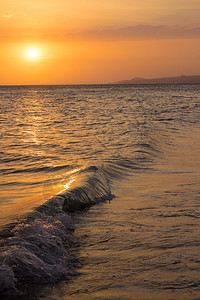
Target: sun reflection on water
(68,184)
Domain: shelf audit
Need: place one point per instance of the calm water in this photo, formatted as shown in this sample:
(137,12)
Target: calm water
(86,144)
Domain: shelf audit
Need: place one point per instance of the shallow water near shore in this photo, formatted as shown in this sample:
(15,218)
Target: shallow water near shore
(86,144)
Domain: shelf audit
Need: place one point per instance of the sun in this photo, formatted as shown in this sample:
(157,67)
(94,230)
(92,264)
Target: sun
(32,53)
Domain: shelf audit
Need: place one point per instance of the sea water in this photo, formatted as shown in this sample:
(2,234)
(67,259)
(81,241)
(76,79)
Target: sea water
(100,192)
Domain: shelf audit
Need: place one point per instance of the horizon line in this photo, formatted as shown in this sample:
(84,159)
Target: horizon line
(108,83)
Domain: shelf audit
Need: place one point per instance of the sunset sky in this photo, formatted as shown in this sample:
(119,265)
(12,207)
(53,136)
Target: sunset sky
(90,41)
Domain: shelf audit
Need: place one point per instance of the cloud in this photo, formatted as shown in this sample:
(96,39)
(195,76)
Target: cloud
(8,15)
(130,33)
(143,32)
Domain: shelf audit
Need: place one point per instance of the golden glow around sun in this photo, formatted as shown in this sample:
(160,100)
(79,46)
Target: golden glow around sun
(32,53)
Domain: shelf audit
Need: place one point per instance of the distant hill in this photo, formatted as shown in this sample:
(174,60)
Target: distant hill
(164,80)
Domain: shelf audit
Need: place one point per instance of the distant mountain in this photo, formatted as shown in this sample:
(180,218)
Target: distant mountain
(164,80)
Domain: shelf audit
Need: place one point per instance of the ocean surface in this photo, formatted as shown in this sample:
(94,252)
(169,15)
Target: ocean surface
(100,192)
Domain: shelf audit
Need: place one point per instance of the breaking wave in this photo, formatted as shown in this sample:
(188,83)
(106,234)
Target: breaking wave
(37,248)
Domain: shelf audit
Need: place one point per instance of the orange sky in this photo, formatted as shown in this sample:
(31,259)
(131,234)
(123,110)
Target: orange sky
(90,41)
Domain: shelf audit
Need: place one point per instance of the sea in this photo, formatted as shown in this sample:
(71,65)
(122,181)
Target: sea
(100,192)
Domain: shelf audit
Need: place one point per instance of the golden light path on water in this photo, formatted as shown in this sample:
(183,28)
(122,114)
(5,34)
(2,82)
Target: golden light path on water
(33,136)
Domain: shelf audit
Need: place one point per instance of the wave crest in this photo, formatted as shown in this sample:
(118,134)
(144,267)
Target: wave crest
(38,249)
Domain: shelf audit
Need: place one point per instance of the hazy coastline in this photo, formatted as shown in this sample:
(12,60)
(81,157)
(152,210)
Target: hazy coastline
(183,79)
